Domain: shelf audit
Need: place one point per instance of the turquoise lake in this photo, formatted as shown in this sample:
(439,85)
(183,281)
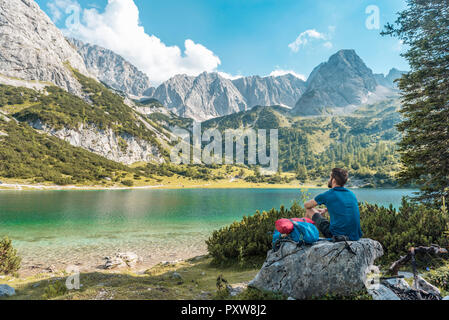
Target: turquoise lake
(81,227)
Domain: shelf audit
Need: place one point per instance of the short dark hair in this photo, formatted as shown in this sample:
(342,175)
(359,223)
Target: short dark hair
(340,175)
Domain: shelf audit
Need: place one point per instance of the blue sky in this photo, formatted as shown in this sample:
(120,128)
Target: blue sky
(247,37)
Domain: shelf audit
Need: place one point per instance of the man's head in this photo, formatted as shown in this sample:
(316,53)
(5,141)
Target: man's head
(338,178)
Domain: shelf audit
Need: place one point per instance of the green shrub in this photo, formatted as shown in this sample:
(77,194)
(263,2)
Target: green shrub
(247,242)
(360,295)
(61,181)
(128,183)
(256,294)
(9,260)
(55,290)
(398,230)
(439,277)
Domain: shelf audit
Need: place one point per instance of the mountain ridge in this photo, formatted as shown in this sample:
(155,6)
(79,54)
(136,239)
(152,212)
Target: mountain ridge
(344,80)
(33,48)
(112,69)
(210,95)
(339,85)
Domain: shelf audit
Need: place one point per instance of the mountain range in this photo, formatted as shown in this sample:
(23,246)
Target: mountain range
(210,95)
(337,86)
(99,110)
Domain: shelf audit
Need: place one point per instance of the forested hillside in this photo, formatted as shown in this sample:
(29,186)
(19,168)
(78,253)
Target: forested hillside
(364,141)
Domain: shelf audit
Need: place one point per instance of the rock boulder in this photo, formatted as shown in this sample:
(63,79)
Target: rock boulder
(312,271)
(6,291)
(119,260)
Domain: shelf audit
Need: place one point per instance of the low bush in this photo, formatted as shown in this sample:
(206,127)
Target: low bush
(128,183)
(9,260)
(254,294)
(439,277)
(413,224)
(360,295)
(55,290)
(247,242)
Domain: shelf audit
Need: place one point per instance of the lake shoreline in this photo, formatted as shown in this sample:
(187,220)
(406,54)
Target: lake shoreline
(88,264)
(54,230)
(18,187)
(225,185)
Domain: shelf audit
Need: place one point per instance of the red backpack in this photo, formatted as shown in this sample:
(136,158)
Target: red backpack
(285,226)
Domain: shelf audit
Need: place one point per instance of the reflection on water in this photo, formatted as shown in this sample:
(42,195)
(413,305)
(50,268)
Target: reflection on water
(71,226)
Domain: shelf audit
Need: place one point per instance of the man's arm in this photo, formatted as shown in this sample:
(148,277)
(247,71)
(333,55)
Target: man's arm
(310,204)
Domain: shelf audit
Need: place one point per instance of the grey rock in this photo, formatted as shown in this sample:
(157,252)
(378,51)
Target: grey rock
(6,291)
(407,275)
(398,283)
(105,143)
(236,289)
(337,86)
(119,260)
(392,76)
(268,91)
(313,271)
(203,97)
(114,262)
(51,269)
(209,95)
(112,69)
(405,292)
(422,284)
(205,295)
(381,292)
(389,80)
(176,276)
(33,48)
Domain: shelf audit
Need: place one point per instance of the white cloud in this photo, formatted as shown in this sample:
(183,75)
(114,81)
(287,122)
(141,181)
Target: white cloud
(304,38)
(229,76)
(280,72)
(312,35)
(118,29)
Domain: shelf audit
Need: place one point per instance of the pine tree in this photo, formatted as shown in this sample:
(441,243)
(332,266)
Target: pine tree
(424,28)
(302,174)
(9,261)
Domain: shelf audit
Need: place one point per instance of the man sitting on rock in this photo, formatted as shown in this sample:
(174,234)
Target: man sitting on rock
(342,206)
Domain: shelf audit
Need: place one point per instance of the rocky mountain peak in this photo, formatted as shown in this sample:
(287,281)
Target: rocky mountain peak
(389,80)
(112,69)
(33,48)
(337,85)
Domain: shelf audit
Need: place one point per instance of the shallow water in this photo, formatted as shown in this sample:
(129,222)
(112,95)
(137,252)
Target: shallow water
(81,227)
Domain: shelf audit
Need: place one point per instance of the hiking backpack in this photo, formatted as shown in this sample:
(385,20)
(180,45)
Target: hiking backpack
(303,232)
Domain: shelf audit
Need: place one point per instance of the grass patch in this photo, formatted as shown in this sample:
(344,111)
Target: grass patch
(198,282)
